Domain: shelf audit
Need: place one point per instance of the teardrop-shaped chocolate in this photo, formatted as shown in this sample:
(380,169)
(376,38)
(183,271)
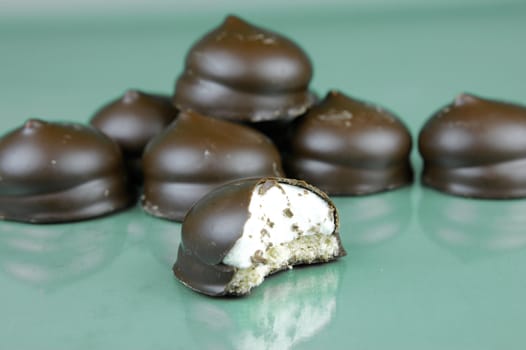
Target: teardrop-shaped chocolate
(349,147)
(56,172)
(476,147)
(243,231)
(132,121)
(197,154)
(245,73)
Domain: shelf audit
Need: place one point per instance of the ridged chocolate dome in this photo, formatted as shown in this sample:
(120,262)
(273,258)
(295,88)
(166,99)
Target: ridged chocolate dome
(53,172)
(245,73)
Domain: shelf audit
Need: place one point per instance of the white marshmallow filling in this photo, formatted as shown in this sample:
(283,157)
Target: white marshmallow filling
(288,225)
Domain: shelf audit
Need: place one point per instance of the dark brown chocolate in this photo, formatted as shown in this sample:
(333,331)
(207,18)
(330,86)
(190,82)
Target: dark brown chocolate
(245,73)
(213,226)
(476,147)
(57,172)
(349,147)
(277,130)
(132,121)
(197,154)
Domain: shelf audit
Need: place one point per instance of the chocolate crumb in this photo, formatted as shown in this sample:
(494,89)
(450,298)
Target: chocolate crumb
(258,258)
(265,186)
(296,228)
(288,213)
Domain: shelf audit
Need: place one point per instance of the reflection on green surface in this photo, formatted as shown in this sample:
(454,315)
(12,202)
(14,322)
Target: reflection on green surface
(371,220)
(473,228)
(48,256)
(286,310)
(163,239)
(402,286)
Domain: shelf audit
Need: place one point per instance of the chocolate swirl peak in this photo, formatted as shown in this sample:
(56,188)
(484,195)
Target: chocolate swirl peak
(132,121)
(346,146)
(476,147)
(56,172)
(197,154)
(245,73)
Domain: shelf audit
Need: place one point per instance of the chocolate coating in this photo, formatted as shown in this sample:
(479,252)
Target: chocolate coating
(213,226)
(277,130)
(349,147)
(245,73)
(476,147)
(132,121)
(56,172)
(197,154)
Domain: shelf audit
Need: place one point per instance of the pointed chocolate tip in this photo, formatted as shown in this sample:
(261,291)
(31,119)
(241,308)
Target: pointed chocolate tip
(463,99)
(33,123)
(334,93)
(130,96)
(235,23)
(233,19)
(337,96)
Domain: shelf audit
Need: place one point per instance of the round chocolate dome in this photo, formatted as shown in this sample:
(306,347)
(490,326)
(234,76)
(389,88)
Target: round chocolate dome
(132,121)
(245,73)
(197,154)
(476,147)
(54,172)
(349,147)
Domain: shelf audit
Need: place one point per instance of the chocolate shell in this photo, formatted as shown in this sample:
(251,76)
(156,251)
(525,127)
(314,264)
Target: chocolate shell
(57,172)
(277,130)
(214,226)
(245,73)
(132,121)
(476,147)
(197,154)
(349,147)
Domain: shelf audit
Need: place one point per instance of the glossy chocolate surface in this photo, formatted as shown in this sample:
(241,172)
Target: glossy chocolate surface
(349,147)
(132,121)
(277,130)
(476,147)
(197,154)
(245,73)
(55,172)
(211,229)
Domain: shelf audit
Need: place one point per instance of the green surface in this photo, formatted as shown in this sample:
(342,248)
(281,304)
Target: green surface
(424,270)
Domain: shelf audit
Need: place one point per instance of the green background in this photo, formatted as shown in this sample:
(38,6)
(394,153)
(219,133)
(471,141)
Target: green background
(424,270)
